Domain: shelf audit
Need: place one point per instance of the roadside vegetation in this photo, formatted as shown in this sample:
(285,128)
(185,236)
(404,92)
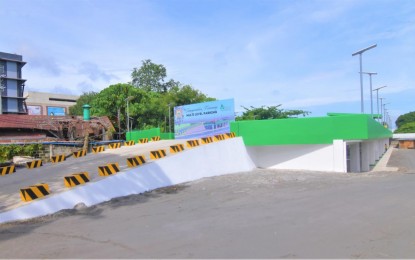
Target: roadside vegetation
(150,95)
(271,112)
(7,152)
(406,123)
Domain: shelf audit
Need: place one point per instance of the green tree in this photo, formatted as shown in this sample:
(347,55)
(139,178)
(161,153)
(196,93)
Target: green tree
(186,95)
(85,98)
(405,118)
(271,112)
(151,99)
(151,77)
(406,128)
(111,102)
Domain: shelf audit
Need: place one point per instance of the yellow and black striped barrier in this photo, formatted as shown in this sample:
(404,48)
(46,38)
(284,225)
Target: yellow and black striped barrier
(129,143)
(114,145)
(6,170)
(157,154)
(192,143)
(34,192)
(220,137)
(136,161)
(230,135)
(76,179)
(109,169)
(207,140)
(176,148)
(155,138)
(98,149)
(143,140)
(34,164)
(58,158)
(79,153)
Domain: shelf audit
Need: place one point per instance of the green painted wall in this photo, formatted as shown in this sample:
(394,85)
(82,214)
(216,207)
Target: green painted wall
(313,130)
(167,136)
(136,135)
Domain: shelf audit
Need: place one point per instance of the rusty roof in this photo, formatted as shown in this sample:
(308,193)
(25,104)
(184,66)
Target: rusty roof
(45,122)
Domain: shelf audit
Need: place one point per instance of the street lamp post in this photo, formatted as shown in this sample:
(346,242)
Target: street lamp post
(128,113)
(169,118)
(377,97)
(361,75)
(384,111)
(371,98)
(381,108)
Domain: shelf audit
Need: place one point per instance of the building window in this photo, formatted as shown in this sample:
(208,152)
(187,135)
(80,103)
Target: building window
(2,68)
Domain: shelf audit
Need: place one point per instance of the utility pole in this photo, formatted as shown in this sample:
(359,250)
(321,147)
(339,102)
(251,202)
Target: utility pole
(169,118)
(119,123)
(377,98)
(361,75)
(381,109)
(371,91)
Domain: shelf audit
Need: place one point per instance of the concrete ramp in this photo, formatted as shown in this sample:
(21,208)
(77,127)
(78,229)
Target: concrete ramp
(219,158)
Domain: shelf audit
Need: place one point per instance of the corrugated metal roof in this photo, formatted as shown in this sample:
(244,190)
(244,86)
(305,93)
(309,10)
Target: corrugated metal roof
(409,136)
(44,122)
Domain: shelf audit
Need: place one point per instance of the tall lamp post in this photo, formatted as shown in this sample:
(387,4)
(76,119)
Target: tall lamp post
(371,98)
(377,97)
(170,117)
(384,111)
(381,108)
(361,75)
(128,113)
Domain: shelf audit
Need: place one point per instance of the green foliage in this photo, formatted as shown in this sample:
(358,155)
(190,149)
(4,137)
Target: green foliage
(271,112)
(85,98)
(406,128)
(153,99)
(187,95)
(8,151)
(112,102)
(151,76)
(405,118)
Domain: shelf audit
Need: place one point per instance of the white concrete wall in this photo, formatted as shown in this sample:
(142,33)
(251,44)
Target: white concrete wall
(214,159)
(317,157)
(339,156)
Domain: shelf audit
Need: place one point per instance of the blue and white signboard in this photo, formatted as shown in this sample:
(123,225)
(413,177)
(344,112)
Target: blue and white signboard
(56,111)
(203,119)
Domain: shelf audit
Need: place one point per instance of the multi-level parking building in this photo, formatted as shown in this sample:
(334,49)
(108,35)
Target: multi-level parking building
(12,84)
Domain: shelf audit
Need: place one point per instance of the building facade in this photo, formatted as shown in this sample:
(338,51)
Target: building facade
(11,84)
(50,104)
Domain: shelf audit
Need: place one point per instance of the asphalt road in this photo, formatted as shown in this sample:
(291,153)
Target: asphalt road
(53,173)
(404,159)
(259,214)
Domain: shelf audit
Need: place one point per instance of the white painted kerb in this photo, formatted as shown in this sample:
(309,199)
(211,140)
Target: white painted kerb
(219,158)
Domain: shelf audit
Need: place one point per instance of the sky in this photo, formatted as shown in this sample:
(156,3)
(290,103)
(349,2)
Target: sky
(297,54)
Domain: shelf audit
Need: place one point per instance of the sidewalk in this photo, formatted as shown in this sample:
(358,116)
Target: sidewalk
(381,165)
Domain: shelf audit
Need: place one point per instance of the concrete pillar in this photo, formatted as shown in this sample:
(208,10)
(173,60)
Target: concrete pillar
(365,166)
(380,148)
(372,152)
(354,157)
